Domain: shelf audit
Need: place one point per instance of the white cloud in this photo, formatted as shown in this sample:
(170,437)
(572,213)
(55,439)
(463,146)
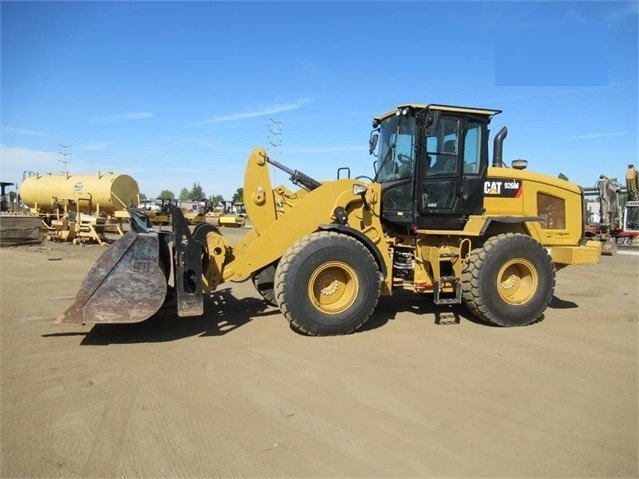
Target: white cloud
(591,136)
(551,92)
(95,146)
(185,140)
(258,112)
(324,149)
(120,117)
(15,161)
(22,131)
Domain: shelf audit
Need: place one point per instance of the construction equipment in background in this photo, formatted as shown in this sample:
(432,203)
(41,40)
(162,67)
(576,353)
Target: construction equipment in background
(632,183)
(614,216)
(5,203)
(194,211)
(631,219)
(214,213)
(158,211)
(437,218)
(17,226)
(234,215)
(79,208)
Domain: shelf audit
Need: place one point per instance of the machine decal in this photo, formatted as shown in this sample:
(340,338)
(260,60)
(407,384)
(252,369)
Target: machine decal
(503,188)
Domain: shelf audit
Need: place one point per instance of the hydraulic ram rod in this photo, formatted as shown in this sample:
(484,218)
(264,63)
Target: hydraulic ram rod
(297,177)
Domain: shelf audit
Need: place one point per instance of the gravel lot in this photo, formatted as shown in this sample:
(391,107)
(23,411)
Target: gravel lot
(237,393)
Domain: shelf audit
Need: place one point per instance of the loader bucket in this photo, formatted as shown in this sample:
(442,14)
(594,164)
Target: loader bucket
(125,285)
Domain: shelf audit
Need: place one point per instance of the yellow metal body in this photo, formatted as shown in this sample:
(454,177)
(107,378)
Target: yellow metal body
(333,287)
(325,252)
(442,108)
(557,204)
(555,207)
(235,216)
(100,193)
(279,217)
(159,218)
(194,218)
(77,227)
(231,220)
(547,208)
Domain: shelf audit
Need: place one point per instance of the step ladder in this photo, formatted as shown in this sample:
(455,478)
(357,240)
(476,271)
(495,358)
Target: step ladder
(442,281)
(455,282)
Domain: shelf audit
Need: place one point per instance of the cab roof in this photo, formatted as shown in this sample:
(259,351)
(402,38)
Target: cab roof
(447,108)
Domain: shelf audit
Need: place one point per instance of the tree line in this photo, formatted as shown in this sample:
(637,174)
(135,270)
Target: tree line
(196,193)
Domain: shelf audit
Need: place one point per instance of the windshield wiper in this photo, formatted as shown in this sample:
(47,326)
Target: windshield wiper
(387,156)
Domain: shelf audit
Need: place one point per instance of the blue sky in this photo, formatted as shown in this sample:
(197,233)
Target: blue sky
(175,93)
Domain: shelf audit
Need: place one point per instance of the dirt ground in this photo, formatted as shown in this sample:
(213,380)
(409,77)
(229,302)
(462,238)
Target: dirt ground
(237,393)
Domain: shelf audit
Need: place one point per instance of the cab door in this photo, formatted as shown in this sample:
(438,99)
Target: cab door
(451,172)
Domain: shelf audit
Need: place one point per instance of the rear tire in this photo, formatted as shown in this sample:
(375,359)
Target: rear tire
(326,284)
(509,281)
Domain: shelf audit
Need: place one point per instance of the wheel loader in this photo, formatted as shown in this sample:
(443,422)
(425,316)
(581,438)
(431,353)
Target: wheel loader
(436,219)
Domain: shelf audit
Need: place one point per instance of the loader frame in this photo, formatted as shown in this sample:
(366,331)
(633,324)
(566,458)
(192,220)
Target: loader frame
(325,252)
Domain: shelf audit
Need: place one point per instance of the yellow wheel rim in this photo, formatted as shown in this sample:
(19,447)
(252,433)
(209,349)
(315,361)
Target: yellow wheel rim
(333,287)
(517,281)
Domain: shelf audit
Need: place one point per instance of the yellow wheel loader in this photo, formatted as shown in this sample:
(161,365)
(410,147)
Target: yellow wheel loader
(437,218)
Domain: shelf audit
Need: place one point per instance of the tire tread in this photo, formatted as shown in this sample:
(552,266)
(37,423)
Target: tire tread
(471,278)
(283,270)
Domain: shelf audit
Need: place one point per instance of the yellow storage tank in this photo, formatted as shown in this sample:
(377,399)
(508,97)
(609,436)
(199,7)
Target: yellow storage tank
(99,193)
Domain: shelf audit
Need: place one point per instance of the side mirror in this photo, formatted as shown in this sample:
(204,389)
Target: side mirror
(372,142)
(430,122)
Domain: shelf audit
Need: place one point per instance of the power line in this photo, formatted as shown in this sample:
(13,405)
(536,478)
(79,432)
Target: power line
(67,155)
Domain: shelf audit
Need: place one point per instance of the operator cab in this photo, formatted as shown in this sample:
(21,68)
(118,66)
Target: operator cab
(431,162)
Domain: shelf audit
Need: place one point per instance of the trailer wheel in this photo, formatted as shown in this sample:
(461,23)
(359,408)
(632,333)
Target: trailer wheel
(509,281)
(327,283)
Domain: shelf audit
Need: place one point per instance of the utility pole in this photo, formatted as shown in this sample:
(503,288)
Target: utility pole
(67,157)
(274,140)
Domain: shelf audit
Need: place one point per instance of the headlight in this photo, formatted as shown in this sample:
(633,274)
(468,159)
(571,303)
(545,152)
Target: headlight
(359,189)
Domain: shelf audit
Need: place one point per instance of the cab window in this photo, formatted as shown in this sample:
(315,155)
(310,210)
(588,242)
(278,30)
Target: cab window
(397,149)
(442,148)
(472,148)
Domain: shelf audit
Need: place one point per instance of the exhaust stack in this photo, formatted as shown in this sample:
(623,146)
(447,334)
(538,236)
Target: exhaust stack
(498,146)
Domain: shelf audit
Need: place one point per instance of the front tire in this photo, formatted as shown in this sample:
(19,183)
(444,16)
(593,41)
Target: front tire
(509,281)
(327,283)
(264,280)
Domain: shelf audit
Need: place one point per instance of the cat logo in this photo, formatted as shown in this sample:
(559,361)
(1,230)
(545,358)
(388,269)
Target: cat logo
(492,187)
(503,188)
